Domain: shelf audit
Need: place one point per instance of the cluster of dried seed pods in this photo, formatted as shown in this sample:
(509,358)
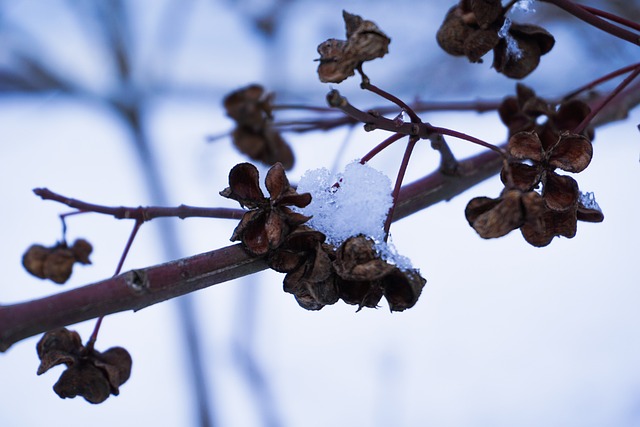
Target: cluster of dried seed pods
(317,274)
(91,374)
(536,199)
(472,28)
(56,262)
(254,135)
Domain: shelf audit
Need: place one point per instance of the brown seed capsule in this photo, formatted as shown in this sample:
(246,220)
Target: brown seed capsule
(34,258)
(340,58)
(90,373)
(81,250)
(59,265)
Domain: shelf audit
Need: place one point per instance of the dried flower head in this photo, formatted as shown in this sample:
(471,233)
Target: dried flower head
(569,152)
(340,58)
(255,135)
(310,276)
(91,374)
(472,28)
(532,42)
(268,221)
(526,112)
(493,218)
(56,263)
(364,277)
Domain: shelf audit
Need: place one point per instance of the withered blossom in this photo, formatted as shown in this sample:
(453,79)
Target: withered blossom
(340,58)
(523,112)
(91,374)
(255,136)
(493,218)
(566,151)
(364,277)
(56,262)
(268,221)
(310,276)
(472,28)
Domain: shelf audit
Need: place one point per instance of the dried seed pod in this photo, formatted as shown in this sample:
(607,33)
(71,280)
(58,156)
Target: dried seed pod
(270,220)
(34,258)
(479,43)
(516,66)
(340,58)
(486,12)
(81,250)
(90,373)
(365,41)
(59,265)
(255,136)
(533,42)
(453,32)
(357,260)
(402,288)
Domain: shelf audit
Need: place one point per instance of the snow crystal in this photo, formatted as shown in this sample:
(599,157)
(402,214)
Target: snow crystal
(524,5)
(588,200)
(354,202)
(388,252)
(513,50)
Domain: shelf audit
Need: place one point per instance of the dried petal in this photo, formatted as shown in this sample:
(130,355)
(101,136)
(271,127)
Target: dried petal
(560,192)
(244,186)
(539,35)
(81,250)
(34,258)
(361,293)
(339,58)
(83,379)
(276,182)
(116,364)
(523,177)
(479,43)
(570,114)
(495,218)
(356,259)
(334,65)
(56,347)
(572,153)
(246,106)
(402,288)
(526,145)
(486,12)
(555,224)
(365,41)
(59,264)
(453,32)
(516,67)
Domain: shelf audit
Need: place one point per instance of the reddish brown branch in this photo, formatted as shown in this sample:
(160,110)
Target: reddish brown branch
(587,16)
(137,289)
(132,290)
(142,213)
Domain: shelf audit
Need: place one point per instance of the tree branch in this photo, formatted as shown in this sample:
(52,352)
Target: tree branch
(141,288)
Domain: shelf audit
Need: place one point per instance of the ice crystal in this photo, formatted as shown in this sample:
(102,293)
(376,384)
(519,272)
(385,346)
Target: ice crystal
(524,5)
(513,50)
(588,200)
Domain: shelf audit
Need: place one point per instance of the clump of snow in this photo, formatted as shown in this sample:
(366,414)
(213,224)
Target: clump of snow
(388,252)
(347,204)
(513,50)
(524,5)
(588,200)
